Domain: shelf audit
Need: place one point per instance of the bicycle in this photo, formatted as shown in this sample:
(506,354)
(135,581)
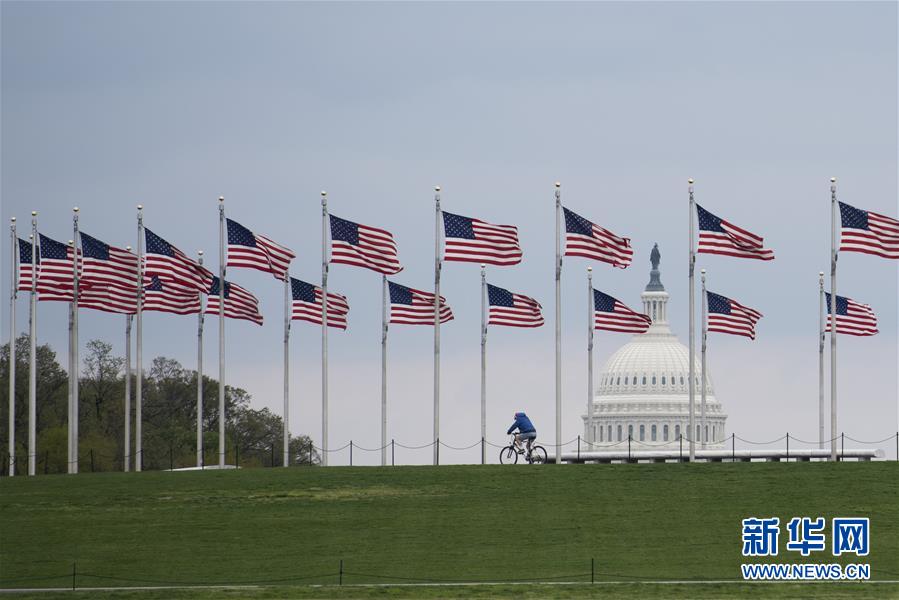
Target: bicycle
(509,454)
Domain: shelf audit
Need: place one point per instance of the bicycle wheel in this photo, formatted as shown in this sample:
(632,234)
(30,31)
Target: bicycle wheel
(508,455)
(538,455)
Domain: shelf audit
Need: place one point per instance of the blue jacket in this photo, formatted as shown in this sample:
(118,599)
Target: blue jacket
(522,423)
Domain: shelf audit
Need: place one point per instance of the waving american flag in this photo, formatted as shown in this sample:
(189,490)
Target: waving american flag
(513,310)
(104,265)
(853,318)
(172,266)
(239,303)
(868,232)
(415,307)
(306,305)
(170,298)
(589,240)
(611,315)
(473,240)
(363,246)
(717,236)
(729,316)
(254,251)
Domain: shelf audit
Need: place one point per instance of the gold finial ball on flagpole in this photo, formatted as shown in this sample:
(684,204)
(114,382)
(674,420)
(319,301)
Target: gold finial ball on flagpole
(140,207)
(702,271)
(483,266)
(690,181)
(13,219)
(436,188)
(833,180)
(558,184)
(128,248)
(71,242)
(34,213)
(589,269)
(200,252)
(75,209)
(820,273)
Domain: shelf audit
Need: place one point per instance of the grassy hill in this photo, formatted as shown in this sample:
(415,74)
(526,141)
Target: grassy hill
(637,523)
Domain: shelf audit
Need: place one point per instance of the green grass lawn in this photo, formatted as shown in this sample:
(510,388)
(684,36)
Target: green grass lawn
(293,527)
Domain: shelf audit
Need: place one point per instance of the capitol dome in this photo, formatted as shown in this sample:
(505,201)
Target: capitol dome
(643,389)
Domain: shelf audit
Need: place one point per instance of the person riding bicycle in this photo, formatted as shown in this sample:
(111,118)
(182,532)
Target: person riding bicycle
(526,431)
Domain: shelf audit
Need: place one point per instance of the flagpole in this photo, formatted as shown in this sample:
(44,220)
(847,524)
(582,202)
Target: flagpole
(222,294)
(590,326)
(14,258)
(821,359)
(75,360)
(200,321)
(833,318)
(703,433)
(437,324)
(126,453)
(32,352)
(324,458)
(384,321)
(71,377)
(286,423)
(692,383)
(483,362)
(558,325)
(139,346)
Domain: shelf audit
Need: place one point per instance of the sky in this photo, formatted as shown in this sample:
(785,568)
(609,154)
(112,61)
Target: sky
(171,105)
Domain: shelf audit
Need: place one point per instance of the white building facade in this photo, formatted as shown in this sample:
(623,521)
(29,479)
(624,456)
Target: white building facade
(642,390)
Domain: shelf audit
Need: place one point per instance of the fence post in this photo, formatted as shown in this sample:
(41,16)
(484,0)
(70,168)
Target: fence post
(842,446)
(310,452)
(340,581)
(579,448)
(592,578)
(273,455)
(897,446)
(73,575)
(484,450)
(628,447)
(392,452)
(351,453)
(437,456)
(92,460)
(236,455)
(680,441)
(733,447)
(171,459)
(788,446)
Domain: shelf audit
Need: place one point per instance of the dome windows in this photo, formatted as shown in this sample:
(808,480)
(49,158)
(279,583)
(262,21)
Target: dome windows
(644,380)
(663,380)
(653,380)
(665,433)
(642,433)
(653,436)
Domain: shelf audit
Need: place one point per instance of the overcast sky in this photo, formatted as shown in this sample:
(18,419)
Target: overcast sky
(171,105)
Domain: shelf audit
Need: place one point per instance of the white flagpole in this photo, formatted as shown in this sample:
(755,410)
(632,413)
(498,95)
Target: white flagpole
(126,452)
(590,326)
(324,458)
(139,346)
(558,325)
(692,386)
(32,354)
(703,435)
(13,262)
(222,292)
(286,423)
(437,266)
(200,321)
(76,363)
(833,318)
(72,375)
(821,336)
(483,363)
(384,325)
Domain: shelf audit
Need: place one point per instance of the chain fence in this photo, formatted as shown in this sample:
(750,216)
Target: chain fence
(183,456)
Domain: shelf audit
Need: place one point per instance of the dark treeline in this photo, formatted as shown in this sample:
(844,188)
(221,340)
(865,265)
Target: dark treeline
(253,437)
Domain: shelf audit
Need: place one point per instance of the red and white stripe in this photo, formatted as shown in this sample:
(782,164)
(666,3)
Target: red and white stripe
(119,271)
(526,312)
(623,320)
(56,276)
(109,299)
(493,245)
(603,246)
(736,242)
(166,301)
(421,311)
(860,321)
(376,251)
(740,321)
(881,238)
(178,270)
(268,256)
(338,310)
(239,304)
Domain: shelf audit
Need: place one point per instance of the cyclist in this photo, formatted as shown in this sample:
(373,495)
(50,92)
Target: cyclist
(526,431)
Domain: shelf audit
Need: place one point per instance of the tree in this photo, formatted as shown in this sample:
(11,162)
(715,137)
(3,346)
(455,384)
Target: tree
(100,377)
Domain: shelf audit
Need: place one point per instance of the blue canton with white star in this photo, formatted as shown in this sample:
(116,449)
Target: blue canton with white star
(344,231)
(718,304)
(574,223)
(842,304)
(157,245)
(497,296)
(399,294)
(25,252)
(708,221)
(603,302)
(239,235)
(214,288)
(53,250)
(852,217)
(455,226)
(91,247)
(302,291)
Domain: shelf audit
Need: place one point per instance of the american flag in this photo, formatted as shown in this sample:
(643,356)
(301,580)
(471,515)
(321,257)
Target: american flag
(472,240)
(717,236)
(589,240)
(172,266)
(868,232)
(363,246)
(109,299)
(611,315)
(307,305)
(511,309)
(239,303)
(55,279)
(852,318)
(247,249)
(414,307)
(105,265)
(729,316)
(25,264)
(171,299)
